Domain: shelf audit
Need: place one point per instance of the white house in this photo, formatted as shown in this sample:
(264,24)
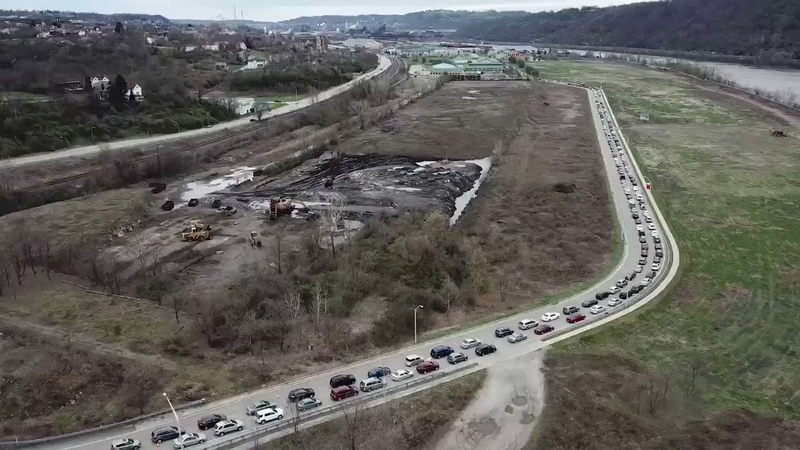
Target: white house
(100,86)
(241,46)
(211,47)
(253,64)
(136,90)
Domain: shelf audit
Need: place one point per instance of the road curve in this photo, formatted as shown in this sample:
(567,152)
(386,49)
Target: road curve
(235,406)
(384,64)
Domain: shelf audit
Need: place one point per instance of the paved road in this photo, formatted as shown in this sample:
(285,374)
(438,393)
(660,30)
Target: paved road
(384,64)
(234,407)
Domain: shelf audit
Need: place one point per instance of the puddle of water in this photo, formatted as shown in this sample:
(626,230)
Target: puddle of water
(199,189)
(463,200)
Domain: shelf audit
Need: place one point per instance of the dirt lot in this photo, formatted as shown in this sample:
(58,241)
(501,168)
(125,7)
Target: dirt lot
(461,121)
(539,224)
(504,411)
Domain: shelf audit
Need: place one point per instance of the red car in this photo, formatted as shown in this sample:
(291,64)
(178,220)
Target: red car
(542,329)
(343,392)
(575,318)
(427,366)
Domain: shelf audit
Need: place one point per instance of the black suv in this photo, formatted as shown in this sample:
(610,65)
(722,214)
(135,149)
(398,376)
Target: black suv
(485,349)
(570,310)
(165,434)
(503,332)
(440,351)
(295,395)
(601,296)
(209,421)
(589,303)
(343,380)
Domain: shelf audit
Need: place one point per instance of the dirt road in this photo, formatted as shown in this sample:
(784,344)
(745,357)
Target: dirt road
(504,412)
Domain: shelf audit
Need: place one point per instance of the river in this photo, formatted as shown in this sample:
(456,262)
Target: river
(783,84)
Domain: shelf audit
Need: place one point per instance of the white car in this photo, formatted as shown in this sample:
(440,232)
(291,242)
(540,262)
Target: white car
(636,188)
(645,281)
(639,227)
(638,269)
(651,226)
(597,309)
(654,233)
(402,374)
(268,415)
(470,343)
(656,266)
(527,324)
(613,301)
(549,317)
(413,360)
(228,426)
(613,289)
(639,197)
(188,440)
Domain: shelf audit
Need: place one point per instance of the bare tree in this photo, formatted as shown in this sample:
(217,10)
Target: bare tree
(352,420)
(361,109)
(320,302)
(277,251)
(503,288)
(141,387)
(332,216)
(176,301)
(14,256)
(145,255)
(292,302)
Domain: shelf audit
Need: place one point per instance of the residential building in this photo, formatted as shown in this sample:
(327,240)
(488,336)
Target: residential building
(322,44)
(211,47)
(254,64)
(100,87)
(220,66)
(135,92)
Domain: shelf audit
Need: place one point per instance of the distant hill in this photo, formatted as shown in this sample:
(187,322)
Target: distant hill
(433,19)
(86,16)
(733,27)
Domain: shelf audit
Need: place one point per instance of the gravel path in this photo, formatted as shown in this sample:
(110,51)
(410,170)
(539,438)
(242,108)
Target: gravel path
(504,412)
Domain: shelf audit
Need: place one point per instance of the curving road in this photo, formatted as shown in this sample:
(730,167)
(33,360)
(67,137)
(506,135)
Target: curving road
(234,407)
(385,64)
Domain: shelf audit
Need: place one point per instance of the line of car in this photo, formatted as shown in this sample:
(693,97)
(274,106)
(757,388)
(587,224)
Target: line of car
(343,386)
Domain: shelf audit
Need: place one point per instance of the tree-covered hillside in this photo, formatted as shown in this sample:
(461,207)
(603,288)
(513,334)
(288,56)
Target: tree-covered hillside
(733,27)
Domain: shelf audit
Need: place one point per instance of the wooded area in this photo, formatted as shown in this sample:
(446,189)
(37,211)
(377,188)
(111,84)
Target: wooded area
(769,29)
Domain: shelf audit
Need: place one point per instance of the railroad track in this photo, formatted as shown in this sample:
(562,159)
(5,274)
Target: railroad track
(390,73)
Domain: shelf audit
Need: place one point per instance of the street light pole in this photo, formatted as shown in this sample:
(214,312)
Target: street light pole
(91,130)
(415,321)
(176,417)
(65,140)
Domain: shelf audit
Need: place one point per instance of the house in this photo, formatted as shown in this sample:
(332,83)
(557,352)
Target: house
(220,66)
(135,92)
(211,47)
(241,46)
(100,87)
(519,56)
(254,64)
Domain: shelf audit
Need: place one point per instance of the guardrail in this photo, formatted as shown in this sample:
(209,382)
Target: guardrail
(22,444)
(361,399)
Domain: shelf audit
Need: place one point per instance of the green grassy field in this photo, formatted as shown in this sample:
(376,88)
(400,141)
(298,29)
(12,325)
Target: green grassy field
(731,194)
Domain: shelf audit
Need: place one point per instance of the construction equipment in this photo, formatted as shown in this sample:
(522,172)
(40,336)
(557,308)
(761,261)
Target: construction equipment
(196,231)
(279,207)
(778,133)
(255,241)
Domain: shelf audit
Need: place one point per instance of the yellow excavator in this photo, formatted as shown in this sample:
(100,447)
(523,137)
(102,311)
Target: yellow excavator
(196,231)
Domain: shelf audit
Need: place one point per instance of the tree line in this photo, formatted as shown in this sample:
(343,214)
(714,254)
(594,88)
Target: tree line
(731,27)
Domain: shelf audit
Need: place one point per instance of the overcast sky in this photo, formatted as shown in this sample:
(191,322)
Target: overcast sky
(275,10)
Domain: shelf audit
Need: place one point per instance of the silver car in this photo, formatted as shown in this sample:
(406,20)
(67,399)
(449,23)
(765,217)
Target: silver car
(308,403)
(126,444)
(259,405)
(517,337)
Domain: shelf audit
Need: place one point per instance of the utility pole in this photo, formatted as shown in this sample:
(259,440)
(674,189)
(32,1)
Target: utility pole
(158,160)
(415,321)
